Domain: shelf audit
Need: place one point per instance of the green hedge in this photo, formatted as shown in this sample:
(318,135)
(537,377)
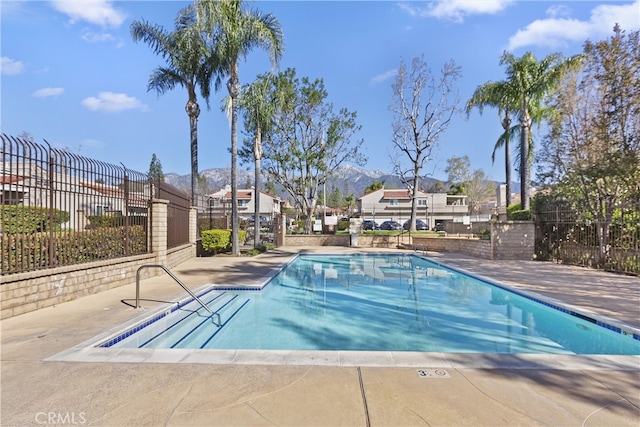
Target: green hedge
(216,241)
(29,219)
(515,214)
(30,251)
(105,221)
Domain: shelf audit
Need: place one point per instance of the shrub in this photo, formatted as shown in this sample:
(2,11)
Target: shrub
(343,225)
(30,219)
(515,214)
(219,240)
(108,221)
(484,234)
(30,251)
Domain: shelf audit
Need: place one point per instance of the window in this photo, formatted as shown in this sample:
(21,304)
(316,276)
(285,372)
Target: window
(101,209)
(393,202)
(12,197)
(422,202)
(242,203)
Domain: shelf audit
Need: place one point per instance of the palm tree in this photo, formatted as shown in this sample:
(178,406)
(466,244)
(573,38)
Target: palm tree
(258,112)
(189,64)
(499,95)
(532,82)
(235,31)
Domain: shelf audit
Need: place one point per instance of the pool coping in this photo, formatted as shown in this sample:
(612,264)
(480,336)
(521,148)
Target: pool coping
(89,350)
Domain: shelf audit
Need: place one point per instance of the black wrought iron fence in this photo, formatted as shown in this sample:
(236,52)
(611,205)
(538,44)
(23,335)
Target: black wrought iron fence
(59,208)
(572,236)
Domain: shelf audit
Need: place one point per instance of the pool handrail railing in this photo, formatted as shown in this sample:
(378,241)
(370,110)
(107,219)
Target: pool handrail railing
(189,291)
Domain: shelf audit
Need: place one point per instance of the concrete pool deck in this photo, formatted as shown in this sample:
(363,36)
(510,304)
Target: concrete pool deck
(434,390)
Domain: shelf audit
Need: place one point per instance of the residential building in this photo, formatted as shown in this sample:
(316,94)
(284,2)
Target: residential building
(220,203)
(65,189)
(395,204)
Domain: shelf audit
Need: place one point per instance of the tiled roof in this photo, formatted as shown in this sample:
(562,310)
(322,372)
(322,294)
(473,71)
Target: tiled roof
(8,179)
(242,195)
(397,194)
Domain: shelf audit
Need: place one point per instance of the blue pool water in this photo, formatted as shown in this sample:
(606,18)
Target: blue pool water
(376,303)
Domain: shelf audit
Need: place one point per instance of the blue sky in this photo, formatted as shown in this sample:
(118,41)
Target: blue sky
(72,75)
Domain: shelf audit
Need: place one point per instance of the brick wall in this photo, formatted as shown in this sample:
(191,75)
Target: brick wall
(363,240)
(509,240)
(464,245)
(513,240)
(24,292)
(316,240)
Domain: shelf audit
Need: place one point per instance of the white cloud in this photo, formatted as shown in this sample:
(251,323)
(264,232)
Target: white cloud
(113,102)
(47,92)
(98,12)
(456,10)
(11,67)
(558,11)
(91,37)
(556,32)
(551,33)
(383,77)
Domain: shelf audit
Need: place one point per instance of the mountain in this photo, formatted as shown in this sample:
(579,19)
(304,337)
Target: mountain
(347,178)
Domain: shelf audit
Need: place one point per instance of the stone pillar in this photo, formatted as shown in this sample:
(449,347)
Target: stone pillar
(280,230)
(501,202)
(501,195)
(159,209)
(193,225)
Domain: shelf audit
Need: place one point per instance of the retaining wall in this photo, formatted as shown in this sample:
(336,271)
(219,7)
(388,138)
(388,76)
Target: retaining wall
(464,245)
(363,240)
(513,240)
(24,292)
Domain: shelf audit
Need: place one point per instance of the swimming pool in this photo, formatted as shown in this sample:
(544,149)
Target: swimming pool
(392,302)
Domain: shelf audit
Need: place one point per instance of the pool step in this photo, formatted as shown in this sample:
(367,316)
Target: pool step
(178,328)
(201,335)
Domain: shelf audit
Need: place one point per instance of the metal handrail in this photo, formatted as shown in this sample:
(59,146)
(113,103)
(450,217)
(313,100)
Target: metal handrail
(172,276)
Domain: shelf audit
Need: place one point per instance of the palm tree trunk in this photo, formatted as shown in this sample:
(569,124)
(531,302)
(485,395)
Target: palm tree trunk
(234,89)
(193,110)
(507,170)
(525,165)
(257,154)
(506,124)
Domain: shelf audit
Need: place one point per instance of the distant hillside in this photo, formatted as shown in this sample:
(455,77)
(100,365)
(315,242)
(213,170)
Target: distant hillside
(348,179)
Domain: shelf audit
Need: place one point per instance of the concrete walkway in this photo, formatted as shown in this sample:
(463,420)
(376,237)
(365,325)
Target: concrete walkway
(445,390)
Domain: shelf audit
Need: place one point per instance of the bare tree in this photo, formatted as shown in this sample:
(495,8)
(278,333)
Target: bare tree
(422,107)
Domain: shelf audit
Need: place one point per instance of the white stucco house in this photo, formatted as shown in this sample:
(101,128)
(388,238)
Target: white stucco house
(395,204)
